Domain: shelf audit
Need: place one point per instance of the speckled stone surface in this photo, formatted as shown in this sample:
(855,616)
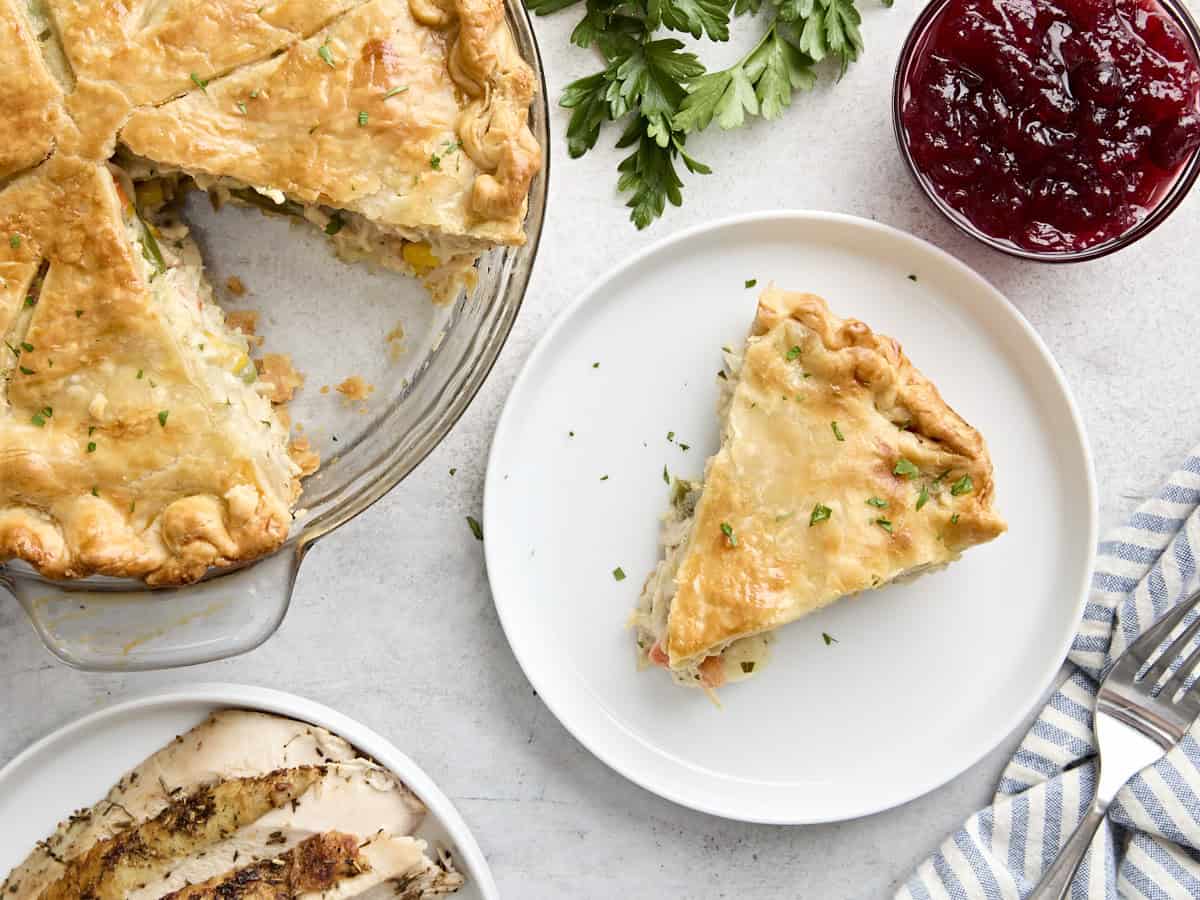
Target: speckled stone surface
(393,623)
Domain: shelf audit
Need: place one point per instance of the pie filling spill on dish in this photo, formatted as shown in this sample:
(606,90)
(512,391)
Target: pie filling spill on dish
(245,804)
(137,436)
(841,469)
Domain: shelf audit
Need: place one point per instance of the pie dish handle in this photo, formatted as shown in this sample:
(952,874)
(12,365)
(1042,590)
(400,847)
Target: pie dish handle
(111,624)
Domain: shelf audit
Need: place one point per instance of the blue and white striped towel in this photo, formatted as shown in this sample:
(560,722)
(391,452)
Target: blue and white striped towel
(1149,846)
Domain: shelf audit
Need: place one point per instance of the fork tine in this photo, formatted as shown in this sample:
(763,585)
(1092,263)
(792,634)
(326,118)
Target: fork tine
(1143,648)
(1170,654)
(1180,676)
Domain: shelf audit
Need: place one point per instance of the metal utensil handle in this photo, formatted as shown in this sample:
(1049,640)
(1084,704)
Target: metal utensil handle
(1056,882)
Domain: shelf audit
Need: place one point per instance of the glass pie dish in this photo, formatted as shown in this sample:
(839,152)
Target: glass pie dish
(420,364)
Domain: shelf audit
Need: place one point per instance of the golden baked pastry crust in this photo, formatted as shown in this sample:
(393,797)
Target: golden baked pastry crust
(92,480)
(781,456)
(316,122)
(30,114)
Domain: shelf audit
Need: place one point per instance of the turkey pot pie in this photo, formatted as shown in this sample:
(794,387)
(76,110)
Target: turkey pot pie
(137,436)
(841,469)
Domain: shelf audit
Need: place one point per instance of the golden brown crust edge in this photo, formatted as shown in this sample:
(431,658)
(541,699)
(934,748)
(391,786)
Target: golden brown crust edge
(901,391)
(494,127)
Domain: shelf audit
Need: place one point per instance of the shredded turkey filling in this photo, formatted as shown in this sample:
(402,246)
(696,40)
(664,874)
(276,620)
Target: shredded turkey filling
(732,661)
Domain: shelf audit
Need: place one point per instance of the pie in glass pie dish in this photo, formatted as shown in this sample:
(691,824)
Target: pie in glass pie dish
(841,469)
(138,436)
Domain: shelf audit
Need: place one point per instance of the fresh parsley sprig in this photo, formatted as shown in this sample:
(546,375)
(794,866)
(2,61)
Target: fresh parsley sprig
(664,92)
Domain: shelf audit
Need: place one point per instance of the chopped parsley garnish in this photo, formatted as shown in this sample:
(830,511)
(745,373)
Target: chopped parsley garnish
(905,468)
(820,513)
(912,277)
(25,370)
(877,502)
(964,485)
(885,524)
(595,365)
(685,447)
(954,519)
(670,436)
(618,574)
(452,471)
(829,639)
(91,447)
(476,528)
(78,313)
(923,497)
(14,241)
(570,434)
(40,417)
(26,346)
(140,373)
(335,225)
(326,54)
(241,105)
(751,282)
(666,477)
(30,301)
(722,375)
(91,430)
(435,161)
(95,493)
(793,353)
(604,478)
(198,81)
(394,91)
(162,417)
(837,432)
(748,666)
(254,94)
(362,119)
(727,530)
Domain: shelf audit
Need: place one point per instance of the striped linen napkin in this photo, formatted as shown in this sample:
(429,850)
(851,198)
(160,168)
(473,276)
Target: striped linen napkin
(1149,846)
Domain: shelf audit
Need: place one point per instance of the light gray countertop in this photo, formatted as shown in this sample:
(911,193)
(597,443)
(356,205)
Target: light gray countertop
(392,621)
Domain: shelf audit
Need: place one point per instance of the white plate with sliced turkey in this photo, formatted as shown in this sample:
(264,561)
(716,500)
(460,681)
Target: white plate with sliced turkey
(196,793)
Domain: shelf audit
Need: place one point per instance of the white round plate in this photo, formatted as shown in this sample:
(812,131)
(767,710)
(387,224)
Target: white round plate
(924,678)
(76,765)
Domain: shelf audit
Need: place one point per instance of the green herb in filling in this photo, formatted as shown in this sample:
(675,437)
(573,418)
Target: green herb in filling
(820,513)
(885,524)
(905,468)
(162,417)
(837,432)
(923,497)
(793,353)
(877,502)
(326,54)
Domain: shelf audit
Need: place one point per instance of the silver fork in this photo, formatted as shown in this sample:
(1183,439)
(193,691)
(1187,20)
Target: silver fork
(1134,726)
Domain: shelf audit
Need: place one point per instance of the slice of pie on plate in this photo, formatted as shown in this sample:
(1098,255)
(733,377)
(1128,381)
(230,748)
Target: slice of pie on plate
(841,469)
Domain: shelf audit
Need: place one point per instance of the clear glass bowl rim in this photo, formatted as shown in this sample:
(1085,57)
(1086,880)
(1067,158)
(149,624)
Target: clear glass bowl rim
(1178,11)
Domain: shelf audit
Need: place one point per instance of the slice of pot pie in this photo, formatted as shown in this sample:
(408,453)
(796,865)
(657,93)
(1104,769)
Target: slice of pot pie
(365,130)
(134,439)
(841,469)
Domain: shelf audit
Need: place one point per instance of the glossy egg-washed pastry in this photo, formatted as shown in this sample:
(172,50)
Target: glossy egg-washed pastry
(137,436)
(244,805)
(841,469)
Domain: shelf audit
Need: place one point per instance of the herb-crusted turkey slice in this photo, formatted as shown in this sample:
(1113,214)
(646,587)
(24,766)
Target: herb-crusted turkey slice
(112,868)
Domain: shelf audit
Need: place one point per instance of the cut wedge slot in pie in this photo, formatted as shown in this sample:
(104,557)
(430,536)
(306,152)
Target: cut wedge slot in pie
(137,436)
(841,469)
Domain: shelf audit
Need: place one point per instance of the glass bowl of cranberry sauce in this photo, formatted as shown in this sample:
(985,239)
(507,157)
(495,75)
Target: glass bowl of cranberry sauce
(1055,130)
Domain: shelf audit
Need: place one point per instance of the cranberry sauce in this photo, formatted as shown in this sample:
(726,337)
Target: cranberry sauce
(1056,125)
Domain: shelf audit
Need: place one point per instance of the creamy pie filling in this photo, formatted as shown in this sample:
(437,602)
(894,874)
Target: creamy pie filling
(444,263)
(218,356)
(733,661)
